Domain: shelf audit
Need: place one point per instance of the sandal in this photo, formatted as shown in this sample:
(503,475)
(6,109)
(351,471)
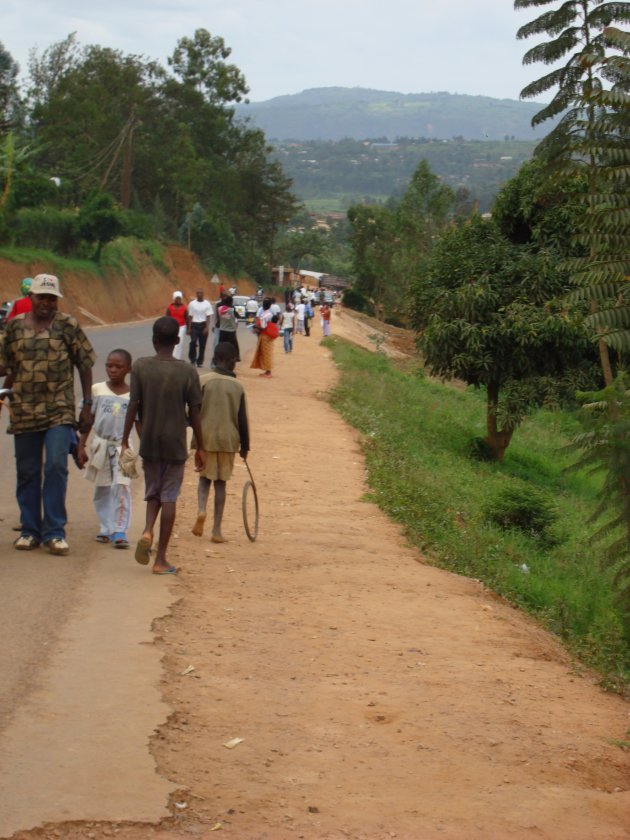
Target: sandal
(143,551)
(102,538)
(120,541)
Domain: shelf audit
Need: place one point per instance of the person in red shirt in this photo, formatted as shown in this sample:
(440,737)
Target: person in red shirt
(23,304)
(178,309)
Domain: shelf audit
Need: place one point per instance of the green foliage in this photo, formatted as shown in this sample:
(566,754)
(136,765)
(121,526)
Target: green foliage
(521,506)
(332,176)
(592,139)
(489,313)
(9,95)
(158,143)
(45,227)
(200,63)
(98,220)
(354,299)
(535,208)
(56,263)
(575,28)
(416,437)
(604,448)
(390,245)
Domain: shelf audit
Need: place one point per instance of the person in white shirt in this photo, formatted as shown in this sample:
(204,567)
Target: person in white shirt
(200,312)
(287,326)
(275,308)
(299,311)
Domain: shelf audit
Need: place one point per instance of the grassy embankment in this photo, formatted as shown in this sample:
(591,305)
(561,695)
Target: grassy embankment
(417,439)
(120,254)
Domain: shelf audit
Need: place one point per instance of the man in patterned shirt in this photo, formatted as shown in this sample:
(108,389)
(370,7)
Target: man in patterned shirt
(39,353)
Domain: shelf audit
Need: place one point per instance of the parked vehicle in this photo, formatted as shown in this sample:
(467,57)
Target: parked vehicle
(240,304)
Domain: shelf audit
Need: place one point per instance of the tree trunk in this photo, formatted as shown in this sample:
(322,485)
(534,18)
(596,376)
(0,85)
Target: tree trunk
(497,439)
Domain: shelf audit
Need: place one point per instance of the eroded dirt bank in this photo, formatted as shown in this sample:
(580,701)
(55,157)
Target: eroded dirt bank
(120,296)
(375,696)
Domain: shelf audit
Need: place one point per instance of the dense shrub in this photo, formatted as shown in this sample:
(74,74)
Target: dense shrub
(354,299)
(523,507)
(137,224)
(45,227)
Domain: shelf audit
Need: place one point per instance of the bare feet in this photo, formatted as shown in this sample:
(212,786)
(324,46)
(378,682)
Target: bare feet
(198,526)
(217,538)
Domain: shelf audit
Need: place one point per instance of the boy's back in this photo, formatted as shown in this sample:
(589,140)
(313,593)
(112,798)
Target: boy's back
(164,388)
(223,413)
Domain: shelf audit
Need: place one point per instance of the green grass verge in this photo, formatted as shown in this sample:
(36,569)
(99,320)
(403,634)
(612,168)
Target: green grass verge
(117,256)
(417,435)
(58,265)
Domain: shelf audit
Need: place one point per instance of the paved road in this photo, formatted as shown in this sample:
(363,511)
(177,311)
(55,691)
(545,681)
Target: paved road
(39,591)
(79,694)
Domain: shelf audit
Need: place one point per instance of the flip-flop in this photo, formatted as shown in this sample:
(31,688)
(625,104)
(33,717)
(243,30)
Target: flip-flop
(170,571)
(143,551)
(102,538)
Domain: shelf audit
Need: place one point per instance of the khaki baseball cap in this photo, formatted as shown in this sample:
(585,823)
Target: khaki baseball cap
(46,284)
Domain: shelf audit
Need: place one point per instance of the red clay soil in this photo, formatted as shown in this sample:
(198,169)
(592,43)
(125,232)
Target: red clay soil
(124,295)
(326,683)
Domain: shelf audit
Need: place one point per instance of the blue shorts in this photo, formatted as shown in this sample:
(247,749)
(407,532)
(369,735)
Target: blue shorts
(162,480)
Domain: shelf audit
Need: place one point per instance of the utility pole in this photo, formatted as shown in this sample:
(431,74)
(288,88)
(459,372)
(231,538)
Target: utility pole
(127,162)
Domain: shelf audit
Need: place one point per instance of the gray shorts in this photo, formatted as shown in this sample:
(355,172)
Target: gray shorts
(162,480)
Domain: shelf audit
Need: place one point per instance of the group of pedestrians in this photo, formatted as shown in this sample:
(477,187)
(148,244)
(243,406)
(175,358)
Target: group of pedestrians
(40,351)
(199,321)
(157,396)
(299,312)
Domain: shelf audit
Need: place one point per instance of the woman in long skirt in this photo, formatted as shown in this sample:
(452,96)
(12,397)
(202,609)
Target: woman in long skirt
(263,355)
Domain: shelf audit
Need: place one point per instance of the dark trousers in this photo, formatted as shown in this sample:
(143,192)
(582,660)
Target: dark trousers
(307,327)
(197,337)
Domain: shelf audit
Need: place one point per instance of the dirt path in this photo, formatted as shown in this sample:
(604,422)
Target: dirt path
(376,696)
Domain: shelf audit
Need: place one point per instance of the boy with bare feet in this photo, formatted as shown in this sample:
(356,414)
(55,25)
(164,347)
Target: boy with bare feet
(225,432)
(162,390)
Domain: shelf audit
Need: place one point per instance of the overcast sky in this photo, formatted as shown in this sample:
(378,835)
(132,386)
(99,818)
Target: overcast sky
(286,46)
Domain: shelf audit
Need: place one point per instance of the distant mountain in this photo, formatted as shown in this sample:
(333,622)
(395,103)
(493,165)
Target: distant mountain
(336,112)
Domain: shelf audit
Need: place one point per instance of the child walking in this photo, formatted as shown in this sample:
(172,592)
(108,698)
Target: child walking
(112,497)
(165,395)
(325,313)
(225,432)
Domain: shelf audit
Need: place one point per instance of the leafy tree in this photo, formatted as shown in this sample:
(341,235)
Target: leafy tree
(546,211)
(93,102)
(98,220)
(602,273)
(13,154)
(576,30)
(161,142)
(199,62)
(492,316)
(372,240)
(605,443)
(391,244)
(9,97)
(295,245)
(47,71)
